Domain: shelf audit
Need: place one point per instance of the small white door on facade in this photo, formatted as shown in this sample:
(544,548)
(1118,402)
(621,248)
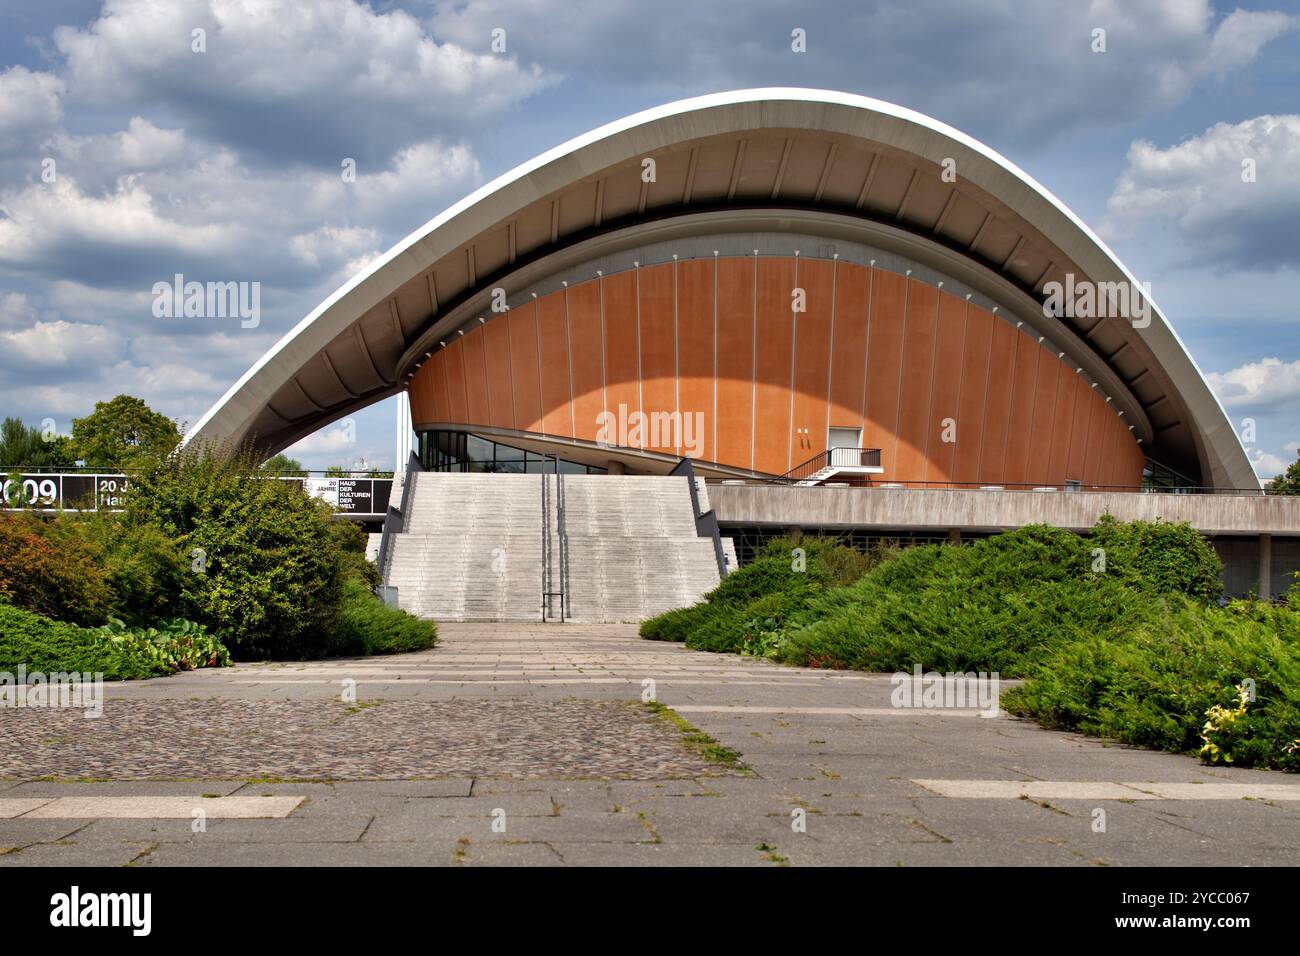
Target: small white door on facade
(844,438)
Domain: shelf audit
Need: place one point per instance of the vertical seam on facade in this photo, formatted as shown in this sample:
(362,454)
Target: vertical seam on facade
(464,377)
(677,364)
(487,379)
(537,338)
(830,351)
(1069,435)
(961,381)
(866,344)
(984,402)
(604,395)
(794,351)
(510,371)
(1011,400)
(446,385)
(640,394)
(568,349)
(929,407)
(902,353)
(753,366)
(713,448)
(1033,411)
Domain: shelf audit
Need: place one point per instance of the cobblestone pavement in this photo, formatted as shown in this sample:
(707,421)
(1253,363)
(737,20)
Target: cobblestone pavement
(330,740)
(835,779)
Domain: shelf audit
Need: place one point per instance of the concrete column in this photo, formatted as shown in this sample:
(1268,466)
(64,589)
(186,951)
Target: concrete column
(954,535)
(1265,567)
(615,467)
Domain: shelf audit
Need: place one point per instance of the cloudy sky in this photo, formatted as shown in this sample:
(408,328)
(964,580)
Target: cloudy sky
(126,157)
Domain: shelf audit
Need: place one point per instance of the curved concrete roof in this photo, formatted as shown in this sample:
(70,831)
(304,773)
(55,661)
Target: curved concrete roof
(855,166)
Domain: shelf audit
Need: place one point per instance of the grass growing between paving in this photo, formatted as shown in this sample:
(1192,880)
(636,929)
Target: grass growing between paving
(1119,634)
(696,740)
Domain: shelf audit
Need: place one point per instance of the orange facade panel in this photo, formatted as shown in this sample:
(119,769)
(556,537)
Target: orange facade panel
(747,361)
(916,386)
(476,393)
(997,404)
(622,377)
(524,369)
(1038,469)
(456,381)
(659,355)
(553,346)
(975,370)
(695,356)
(774,329)
(848,363)
(812,359)
(1024,390)
(950,345)
(587,358)
(884,364)
(499,380)
(734,424)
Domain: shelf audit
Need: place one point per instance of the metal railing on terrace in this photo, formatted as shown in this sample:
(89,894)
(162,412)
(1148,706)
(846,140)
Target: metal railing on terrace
(849,480)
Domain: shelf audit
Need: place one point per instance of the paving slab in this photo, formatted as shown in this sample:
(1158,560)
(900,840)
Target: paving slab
(143,807)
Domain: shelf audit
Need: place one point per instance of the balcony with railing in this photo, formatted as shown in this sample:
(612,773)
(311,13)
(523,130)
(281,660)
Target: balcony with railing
(834,463)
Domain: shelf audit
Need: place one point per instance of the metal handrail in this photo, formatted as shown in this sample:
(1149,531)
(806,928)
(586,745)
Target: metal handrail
(706,522)
(842,457)
(561,546)
(562,535)
(395,515)
(546,550)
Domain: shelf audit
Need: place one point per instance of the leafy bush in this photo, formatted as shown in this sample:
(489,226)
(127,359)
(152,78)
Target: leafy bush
(46,574)
(368,626)
(1163,557)
(179,646)
(1177,681)
(986,606)
(271,577)
(753,603)
(145,569)
(350,539)
(40,644)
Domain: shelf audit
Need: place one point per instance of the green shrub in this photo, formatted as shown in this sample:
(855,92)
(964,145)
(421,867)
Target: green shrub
(179,645)
(750,606)
(350,539)
(1163,557)
(40,644)
(144,568)
(368,626)
(48,573)
(1157,683)
(985,606)
(271,575)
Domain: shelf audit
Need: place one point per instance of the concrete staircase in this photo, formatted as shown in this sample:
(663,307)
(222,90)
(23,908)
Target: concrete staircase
(471,547)
(633,549)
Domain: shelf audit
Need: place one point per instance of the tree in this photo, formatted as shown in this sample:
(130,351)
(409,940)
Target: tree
(265,577)
(1287,483)
(22,445)
(123,433)
(281,464)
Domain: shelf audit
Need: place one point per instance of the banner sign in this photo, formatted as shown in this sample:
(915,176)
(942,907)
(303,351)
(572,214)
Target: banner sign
(348,497)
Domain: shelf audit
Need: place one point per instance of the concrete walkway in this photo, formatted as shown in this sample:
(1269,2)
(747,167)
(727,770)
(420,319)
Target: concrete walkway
(526,744)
